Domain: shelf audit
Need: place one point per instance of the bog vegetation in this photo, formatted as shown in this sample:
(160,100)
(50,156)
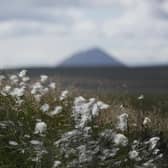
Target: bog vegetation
(44,127)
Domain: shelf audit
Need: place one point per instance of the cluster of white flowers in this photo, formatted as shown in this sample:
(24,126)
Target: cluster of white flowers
(46,109)
(17,85)
(85,110)
(37,87)
(123,122)
(82,145)
(18,92)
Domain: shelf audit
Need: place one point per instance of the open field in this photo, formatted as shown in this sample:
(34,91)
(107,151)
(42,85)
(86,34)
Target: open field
(42,125)
(115,80)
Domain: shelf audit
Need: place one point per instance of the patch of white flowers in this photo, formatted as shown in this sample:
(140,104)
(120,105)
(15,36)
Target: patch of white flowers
(85,110)
(83,144)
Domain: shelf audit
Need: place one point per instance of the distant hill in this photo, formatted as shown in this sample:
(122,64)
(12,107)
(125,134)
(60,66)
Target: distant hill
(94,57)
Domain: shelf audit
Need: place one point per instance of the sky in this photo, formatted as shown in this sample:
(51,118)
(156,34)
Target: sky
(45,32)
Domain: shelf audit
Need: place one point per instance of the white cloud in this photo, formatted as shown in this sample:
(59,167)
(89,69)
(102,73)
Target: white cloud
(134,30)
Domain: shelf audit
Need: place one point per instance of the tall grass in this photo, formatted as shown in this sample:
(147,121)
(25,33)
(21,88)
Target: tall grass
(75,136)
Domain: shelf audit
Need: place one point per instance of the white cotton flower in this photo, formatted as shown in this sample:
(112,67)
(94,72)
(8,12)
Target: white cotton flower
(7,89)
(17,92)
(14,79)
(35,142)
(79,100)
(56,164)
(22,73)
(43,78)
(52,85)
(13,143)
(84,111)
(56,111)
(146,121)
(133,155)
(44,91)
(40,127)
(27,136)
(120,139)
(92,101)
(22,84)
(2,77)
(141,97)
(156,151)
(37,97)
(45,107)
(122,122)
(25,79)
(153,142)
(37,87)
(102,105)
(95,110)
(64,95)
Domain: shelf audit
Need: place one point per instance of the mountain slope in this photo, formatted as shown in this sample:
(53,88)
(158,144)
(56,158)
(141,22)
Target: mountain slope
(91,58)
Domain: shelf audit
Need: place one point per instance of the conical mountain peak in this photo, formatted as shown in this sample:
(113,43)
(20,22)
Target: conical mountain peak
(94,57)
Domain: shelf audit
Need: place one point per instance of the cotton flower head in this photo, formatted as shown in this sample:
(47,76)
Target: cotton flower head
(2,77)
(43,78)
(40,127)
(52,85)
(35,142)
(133,155)
(44,91)
(13,143)
(7,89)
(37,87)
(122,122)
(18,92)
(14,79)
(37,97)
(22,73)
(141,97)
(25,79)
(45,107)
(120,140)
(56,111)
(64,95)
(79,100)
(56,164)
(153,142)
(146,122)
(102,105)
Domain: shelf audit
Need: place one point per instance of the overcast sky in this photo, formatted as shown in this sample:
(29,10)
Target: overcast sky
(44,32)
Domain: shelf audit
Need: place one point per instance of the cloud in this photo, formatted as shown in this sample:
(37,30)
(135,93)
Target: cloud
(132,29)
